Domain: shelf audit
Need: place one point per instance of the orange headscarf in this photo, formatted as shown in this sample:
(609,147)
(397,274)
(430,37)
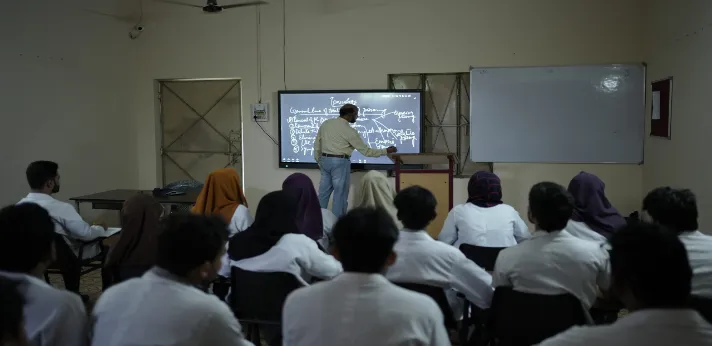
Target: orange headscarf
(221,195)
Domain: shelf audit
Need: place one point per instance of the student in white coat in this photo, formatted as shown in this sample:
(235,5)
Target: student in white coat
(53,317)
(166,306)
(677,210)
(594,217)
(484,220)
(376,191)
(12,330)
(360,306)
(424,260)
(651,275)
(274,244)
(553,261)
(222,195)
(43,178)
(312,220)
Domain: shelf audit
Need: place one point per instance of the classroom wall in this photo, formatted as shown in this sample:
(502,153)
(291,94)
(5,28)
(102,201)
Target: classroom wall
(64,98)
(679,44)
(337,44)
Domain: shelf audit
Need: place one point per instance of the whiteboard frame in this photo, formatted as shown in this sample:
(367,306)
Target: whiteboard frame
(644,117)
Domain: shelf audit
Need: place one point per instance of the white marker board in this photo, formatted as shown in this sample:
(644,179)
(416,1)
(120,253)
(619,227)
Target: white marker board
(569,114)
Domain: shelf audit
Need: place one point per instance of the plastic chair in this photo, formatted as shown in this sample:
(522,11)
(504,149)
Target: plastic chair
(485,257)
(703,306)
(72,267)
(257,299)
(438,295)
(524,319)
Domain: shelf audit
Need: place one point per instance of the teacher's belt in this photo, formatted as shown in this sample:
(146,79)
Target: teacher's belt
(339,156)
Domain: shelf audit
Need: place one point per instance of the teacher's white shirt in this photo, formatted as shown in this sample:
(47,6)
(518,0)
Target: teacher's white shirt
(554,263)
(361,309)
(497,226)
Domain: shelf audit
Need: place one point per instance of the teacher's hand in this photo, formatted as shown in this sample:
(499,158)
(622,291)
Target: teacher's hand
(391,150)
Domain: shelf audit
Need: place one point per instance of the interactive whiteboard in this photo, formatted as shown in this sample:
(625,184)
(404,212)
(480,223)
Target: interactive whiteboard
(569,114)
(386,118)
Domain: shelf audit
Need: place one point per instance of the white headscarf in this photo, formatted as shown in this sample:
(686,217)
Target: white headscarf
(377,191)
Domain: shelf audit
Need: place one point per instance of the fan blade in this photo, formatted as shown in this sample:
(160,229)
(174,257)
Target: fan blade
(251,3)
(128,19)
(179,3)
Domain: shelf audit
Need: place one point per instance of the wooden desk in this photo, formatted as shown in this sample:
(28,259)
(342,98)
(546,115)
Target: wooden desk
(114,199)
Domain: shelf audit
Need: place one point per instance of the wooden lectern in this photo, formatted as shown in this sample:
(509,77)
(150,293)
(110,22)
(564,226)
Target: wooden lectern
(438,181)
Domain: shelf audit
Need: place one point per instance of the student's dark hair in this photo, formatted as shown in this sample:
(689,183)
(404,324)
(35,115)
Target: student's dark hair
(348,109)
(364,239)
(416,207)
(651,262)
(672,208)
(551,206)
(187,241)
(40,172)
(26,237)
(11,314)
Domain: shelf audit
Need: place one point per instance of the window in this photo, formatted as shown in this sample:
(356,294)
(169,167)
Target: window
(446,127)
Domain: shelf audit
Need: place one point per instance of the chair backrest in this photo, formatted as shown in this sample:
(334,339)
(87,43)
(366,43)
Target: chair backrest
(485,257)
(64,255)
(438,295)
(703,306)
(523,319)
(259,296)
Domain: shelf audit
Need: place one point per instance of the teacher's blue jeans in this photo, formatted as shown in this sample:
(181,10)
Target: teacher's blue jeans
(336,178)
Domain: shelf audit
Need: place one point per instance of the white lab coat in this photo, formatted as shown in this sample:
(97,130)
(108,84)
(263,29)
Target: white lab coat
(554,263)
(159,310)
(497,226)
(240,221)
(423,260)
(699,252)
(53,317)
(75,227)
(296,254)
(641,328)
(581,230)
(361,309)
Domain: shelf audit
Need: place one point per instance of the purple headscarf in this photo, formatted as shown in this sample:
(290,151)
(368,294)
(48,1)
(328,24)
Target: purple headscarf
(309,220)
(484,189)
(591,205)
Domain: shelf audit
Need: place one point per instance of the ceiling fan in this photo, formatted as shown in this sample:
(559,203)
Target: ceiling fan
(212,5)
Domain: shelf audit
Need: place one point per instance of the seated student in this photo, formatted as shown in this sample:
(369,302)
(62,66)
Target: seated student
(43,178)
(484,220)
(594,217)
(677,210)
(274,244)
(424,260)
(651,275)
(312,220)
(166,306)
(53,317)
(553,261)
(222,195)
(12,326)
(360,306)
(377,191)
(135,251)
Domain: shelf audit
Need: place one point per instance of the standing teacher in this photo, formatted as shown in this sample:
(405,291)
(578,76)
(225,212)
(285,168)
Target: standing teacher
(334,143)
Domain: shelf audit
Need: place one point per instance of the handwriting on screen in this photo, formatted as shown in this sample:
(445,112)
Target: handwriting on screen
(304,124)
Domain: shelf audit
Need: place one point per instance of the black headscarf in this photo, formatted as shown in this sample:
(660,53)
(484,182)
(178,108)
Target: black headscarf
(276,216)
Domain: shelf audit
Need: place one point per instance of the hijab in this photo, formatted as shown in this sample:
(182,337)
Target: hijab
(591,205)
(276,216)
(309,220)
(137,245)
(377,191)
(221,195)
(484,190)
